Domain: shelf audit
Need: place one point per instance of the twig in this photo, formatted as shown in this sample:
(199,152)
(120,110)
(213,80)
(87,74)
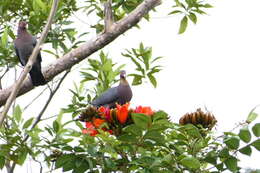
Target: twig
(30,63)
(6,70)
(79,54)
(35,98)
(38,118)
(108,15)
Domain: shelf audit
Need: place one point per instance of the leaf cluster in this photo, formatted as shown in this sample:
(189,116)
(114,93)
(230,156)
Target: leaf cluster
(146,66)
(189,9)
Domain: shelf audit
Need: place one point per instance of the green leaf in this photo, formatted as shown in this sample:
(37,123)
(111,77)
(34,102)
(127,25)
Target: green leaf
(137,79)
(232,142)
(41,4)
(21,157)
(28,123)
(220,166)
(79,149)
(175,12)
(192,130)
(160,115)
(127,138)
(256,144)
(64,159)
(207,6)
(133,129)
(152,80)
(246,150)
(5,37)
(193,18)
(56,126)
(244,134)
(11,33)
(231,164)
(211,157)
(251,117)
(155,136)
(2,162)
(183,25)
(17,113)
(141,120)
(190,162)
(107,66)
(256,129)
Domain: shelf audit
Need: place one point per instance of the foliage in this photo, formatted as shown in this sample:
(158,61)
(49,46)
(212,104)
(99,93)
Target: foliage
(189,9)
(142,58)
(135,140)
(152,143)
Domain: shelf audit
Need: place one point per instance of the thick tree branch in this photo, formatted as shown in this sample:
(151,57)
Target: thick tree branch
(29,64)
(82,52)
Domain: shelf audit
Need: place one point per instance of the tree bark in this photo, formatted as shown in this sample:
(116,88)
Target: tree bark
(88,48)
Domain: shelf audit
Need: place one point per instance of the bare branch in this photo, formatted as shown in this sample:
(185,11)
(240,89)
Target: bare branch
(28,66)
(82,52)
(38,119)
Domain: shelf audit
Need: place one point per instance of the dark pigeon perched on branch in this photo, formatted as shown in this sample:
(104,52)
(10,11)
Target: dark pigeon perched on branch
(120,94)
(24,45)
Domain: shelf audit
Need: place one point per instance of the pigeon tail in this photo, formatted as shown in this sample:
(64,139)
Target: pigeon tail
(37,76)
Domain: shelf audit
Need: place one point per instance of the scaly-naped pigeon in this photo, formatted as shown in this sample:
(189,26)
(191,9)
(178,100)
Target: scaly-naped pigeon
(120,94)
(24,44)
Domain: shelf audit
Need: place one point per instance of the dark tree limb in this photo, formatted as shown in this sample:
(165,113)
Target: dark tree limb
(82,52)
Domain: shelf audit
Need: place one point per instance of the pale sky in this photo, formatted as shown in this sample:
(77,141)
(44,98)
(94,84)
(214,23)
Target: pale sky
(214,64)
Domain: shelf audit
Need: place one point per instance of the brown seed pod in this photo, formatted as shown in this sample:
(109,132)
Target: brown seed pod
(198,117)
(207,120)
(194,118)
(187,119)
(88,114)
(182,120)
(210,119)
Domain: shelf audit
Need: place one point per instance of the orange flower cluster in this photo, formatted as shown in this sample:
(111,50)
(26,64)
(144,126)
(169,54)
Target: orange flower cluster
(113,117)
(144,110)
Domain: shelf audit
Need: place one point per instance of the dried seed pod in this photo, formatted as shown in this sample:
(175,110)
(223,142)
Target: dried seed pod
(210,119)
(88,114)
(198,117)
(182,120)
(207,120)
(194,118)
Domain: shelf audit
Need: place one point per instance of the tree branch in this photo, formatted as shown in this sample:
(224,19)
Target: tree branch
(82,52)
(28,66)
(108,15)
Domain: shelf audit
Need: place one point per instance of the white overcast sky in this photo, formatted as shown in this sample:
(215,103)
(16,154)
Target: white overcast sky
(214,64)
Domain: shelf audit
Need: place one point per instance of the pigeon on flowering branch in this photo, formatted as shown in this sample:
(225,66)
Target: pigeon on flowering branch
(111,120)
(120,94)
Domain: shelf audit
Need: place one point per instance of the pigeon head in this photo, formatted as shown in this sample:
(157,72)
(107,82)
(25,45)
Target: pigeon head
(122,74)
(22,25)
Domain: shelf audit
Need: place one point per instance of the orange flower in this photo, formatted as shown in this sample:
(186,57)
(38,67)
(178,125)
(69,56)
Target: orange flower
(122,112)
(144,110)
(98,122)
(105,112)
(102,110)
(90,129)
